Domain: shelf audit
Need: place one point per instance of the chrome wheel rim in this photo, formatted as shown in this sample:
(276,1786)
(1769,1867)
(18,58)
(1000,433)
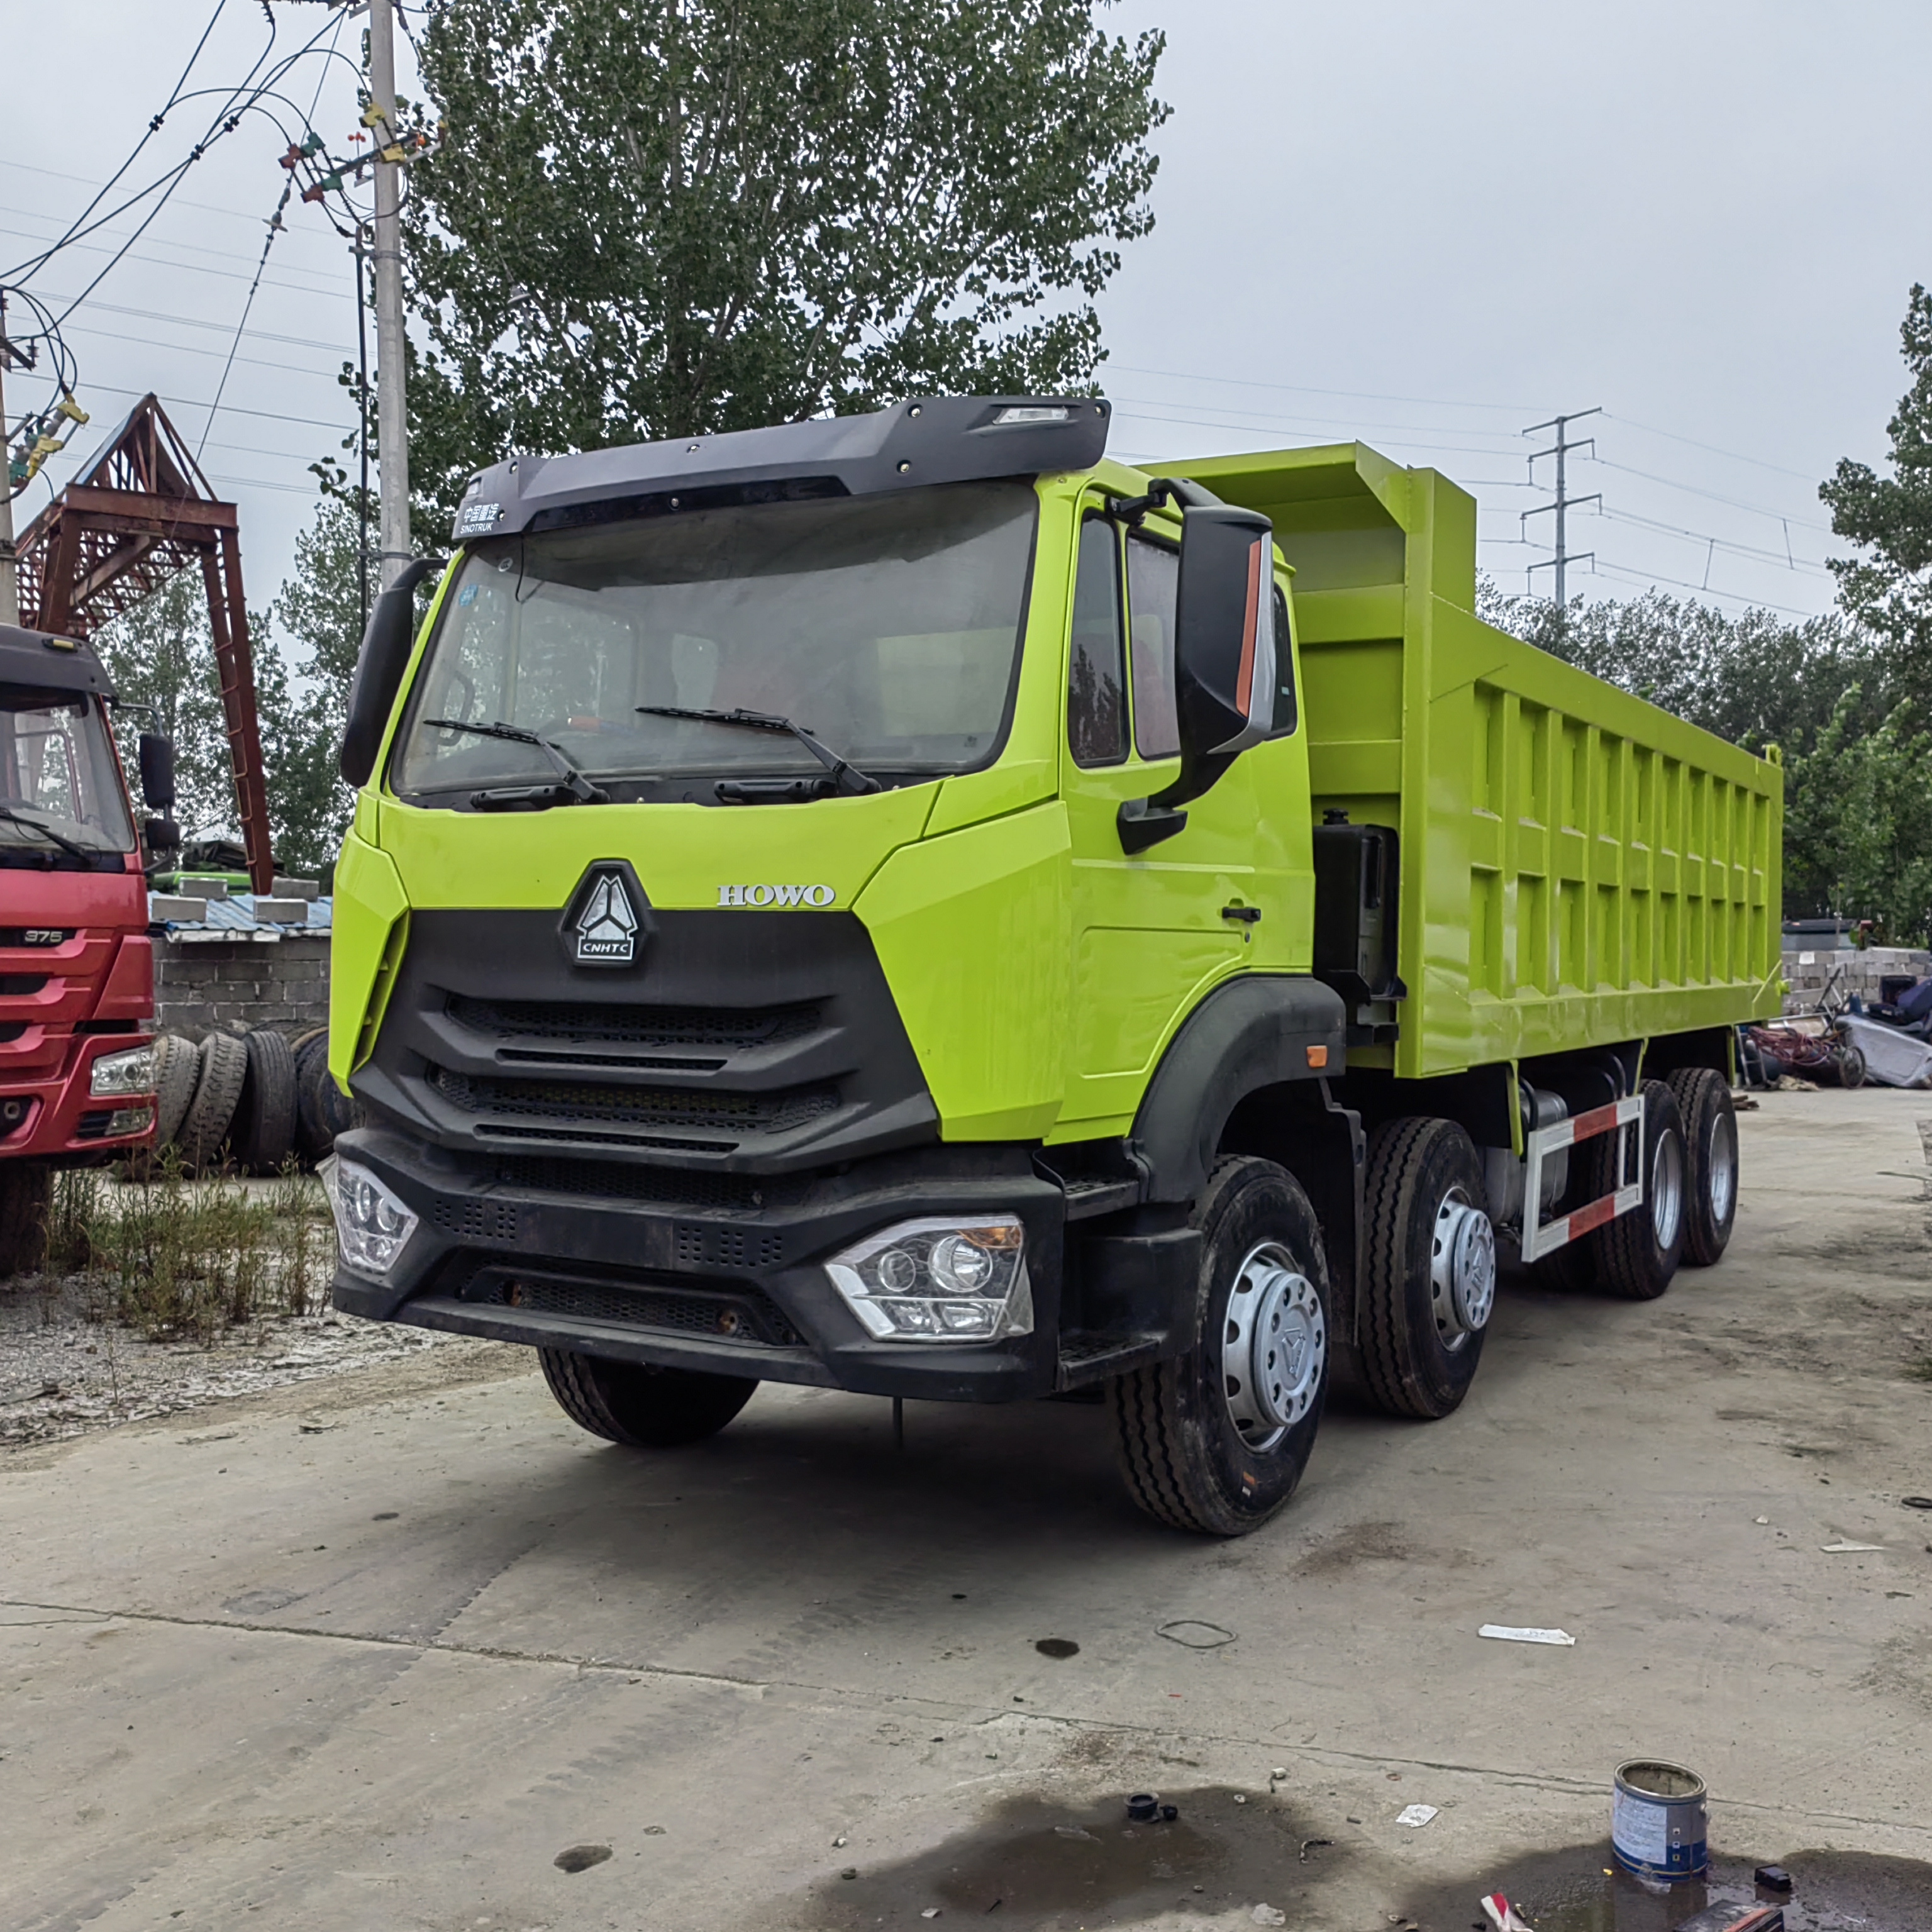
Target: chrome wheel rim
(1462,1269)
(1723,1168)
(1666,1188)
(1274,1346)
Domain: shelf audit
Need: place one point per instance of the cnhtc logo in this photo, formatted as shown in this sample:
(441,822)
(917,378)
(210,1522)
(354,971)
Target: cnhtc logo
(776,895)
(607,930)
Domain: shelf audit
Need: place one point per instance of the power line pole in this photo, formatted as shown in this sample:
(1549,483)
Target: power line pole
(1565,503)
(392,440)
(10,568)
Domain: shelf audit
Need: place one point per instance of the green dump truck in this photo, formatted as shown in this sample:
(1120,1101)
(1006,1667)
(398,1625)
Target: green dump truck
(906,904)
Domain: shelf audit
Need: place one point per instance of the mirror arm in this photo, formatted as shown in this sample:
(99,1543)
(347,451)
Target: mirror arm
(1181,490)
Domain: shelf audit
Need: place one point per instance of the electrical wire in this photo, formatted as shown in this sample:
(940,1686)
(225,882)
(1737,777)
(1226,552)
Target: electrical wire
(268,241)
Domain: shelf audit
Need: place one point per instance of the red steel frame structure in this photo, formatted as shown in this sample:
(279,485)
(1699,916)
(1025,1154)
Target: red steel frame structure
(141,513)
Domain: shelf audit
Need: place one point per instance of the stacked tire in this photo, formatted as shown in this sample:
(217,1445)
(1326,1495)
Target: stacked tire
(247,1101)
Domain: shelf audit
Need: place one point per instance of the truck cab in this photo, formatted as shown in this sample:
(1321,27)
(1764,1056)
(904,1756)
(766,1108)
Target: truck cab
(838,905)
(77,969)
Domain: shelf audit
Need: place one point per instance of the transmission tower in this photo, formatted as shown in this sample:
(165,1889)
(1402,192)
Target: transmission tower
(1565,503)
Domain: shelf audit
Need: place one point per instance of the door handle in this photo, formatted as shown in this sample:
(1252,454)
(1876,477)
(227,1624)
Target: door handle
(1248,915)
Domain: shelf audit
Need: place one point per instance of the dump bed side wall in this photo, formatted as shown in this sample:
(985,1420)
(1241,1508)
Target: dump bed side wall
(1578,866)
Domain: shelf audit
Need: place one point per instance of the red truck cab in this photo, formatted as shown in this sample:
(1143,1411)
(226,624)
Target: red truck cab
(76,965)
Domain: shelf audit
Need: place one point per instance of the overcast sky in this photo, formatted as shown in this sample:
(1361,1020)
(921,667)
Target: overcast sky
(1426,226)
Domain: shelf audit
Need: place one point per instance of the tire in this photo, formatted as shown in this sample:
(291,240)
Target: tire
(640,1407)
(323,1110)
(224,1070)
(1637,1254)
(1429,1275)
(1205,1443)
(177,1067)
(1703,1099)
(313,1140)
(1849,1061)
(263,1129)
(26,1194)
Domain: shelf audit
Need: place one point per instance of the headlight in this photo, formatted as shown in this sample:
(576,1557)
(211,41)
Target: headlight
(372,1226)
(115,1074)
(942,1280)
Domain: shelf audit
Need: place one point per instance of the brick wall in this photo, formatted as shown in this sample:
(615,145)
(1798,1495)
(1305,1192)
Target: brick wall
(234,985)
(1847,970)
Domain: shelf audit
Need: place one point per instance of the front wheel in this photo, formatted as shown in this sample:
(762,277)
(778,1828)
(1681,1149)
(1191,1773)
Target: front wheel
(639,1406)
(1216,1440)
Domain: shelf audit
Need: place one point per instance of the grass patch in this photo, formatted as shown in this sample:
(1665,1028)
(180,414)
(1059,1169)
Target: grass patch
(178,1260)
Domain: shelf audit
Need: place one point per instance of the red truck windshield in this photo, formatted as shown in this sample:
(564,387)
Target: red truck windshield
(60,787)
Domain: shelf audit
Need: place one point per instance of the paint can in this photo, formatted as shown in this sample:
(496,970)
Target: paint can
(1659,1820)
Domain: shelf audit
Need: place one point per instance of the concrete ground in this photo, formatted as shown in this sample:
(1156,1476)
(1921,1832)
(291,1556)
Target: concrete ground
(374,1653)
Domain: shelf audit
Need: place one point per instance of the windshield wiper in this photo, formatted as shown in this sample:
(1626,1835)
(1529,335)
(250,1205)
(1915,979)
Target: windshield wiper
(59,839)
(579,787)
(846,778)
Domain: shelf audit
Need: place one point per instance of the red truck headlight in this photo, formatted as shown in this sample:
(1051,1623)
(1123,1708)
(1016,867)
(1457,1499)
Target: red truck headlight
(115,1075)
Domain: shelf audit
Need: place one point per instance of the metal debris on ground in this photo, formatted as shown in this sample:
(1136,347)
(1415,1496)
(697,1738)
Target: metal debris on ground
(1773,1878)
(1503,1915)
(1143,1808)
(1735,1918)
(1525,1634)
(1194,1633)
(1917,1502)
(1416,1816)
(1842,1549)
(1308,1845)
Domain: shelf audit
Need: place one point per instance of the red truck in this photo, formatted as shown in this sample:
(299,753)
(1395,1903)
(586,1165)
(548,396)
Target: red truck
(77,1061)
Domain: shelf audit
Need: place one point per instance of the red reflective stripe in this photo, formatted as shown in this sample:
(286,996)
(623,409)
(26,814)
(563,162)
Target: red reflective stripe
(1598,1121)
(1244,681)
(1593,1216)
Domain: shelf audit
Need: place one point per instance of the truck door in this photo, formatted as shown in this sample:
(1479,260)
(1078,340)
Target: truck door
(1153,932)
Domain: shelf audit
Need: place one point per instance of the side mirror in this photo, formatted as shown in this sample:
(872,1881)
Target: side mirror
(1224,655)
(384,657)
(157,772)
(163,834)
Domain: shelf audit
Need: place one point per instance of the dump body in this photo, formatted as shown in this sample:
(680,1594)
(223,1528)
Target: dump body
(1578,867)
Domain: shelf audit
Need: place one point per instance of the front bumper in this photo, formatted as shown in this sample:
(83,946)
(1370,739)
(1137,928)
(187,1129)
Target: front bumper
(719,1273)
(47,1109)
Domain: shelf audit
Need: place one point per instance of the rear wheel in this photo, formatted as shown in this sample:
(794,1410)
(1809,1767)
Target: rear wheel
(640,1406)
(1429,1275)
(224,1067)
(1216,1440)
(1637,1254)
(263,1129)
(1703,1099)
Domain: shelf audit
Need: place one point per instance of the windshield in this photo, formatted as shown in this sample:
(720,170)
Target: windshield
(58,781)
(888,626)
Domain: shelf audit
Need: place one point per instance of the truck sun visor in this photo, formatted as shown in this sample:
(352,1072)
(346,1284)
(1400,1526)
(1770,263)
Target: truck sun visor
(928,439)
(38,660)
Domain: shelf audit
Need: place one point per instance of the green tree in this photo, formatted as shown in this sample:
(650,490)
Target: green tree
(1858,822)
(319,609)
(648,218)
(160,654)
(1889,589)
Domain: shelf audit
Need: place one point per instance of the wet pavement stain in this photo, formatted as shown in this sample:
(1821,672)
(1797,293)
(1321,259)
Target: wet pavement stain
(1570,1890)
(1034,1862)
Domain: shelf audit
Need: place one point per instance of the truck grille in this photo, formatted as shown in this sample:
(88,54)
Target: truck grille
(613,1180)
(586,1103)
(766,1040)
(577,1023)
(742,1314)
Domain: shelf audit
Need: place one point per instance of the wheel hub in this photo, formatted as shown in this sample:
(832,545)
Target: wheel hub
(1462,1269)
(1723,1165)
(1274,1346)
